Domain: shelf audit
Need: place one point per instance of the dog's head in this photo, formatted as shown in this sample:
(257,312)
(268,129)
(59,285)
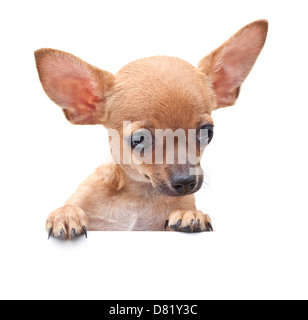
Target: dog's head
(155,106)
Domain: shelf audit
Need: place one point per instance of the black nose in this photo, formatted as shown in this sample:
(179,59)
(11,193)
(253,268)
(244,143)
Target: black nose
(183,185)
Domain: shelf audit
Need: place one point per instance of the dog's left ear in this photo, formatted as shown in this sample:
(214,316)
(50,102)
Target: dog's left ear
(229,65)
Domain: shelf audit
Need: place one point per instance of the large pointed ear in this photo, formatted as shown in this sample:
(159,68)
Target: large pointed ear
(79,88)
(229,65)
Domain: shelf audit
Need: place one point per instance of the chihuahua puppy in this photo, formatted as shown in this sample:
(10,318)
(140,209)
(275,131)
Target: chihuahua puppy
(148,95)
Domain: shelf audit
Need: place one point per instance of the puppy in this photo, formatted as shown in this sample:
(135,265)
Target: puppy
(146,97)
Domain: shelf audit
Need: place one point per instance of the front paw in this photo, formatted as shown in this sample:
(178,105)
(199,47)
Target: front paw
(67,222)
(189,221)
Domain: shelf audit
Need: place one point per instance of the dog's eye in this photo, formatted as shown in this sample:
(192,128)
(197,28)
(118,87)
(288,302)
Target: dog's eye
(141,140)
(206,134)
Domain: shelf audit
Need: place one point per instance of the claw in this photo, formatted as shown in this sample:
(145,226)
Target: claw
(178,223)
(175,227)
(49,233)
(73,234)
(62,234)
(85,231)
(210,226)
(190,227)
(198,223)
(166,224)
(198,226)
(192,223)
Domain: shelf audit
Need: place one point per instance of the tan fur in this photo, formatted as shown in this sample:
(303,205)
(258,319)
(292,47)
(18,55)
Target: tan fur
(112,202)
(152,93)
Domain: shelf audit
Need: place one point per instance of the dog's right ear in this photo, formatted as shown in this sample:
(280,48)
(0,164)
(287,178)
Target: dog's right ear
(76,86)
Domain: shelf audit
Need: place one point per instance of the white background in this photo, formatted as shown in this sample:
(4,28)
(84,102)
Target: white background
(256,164)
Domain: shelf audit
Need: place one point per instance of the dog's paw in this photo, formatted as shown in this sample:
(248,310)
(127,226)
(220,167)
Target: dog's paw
(67,222)
(189,221)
